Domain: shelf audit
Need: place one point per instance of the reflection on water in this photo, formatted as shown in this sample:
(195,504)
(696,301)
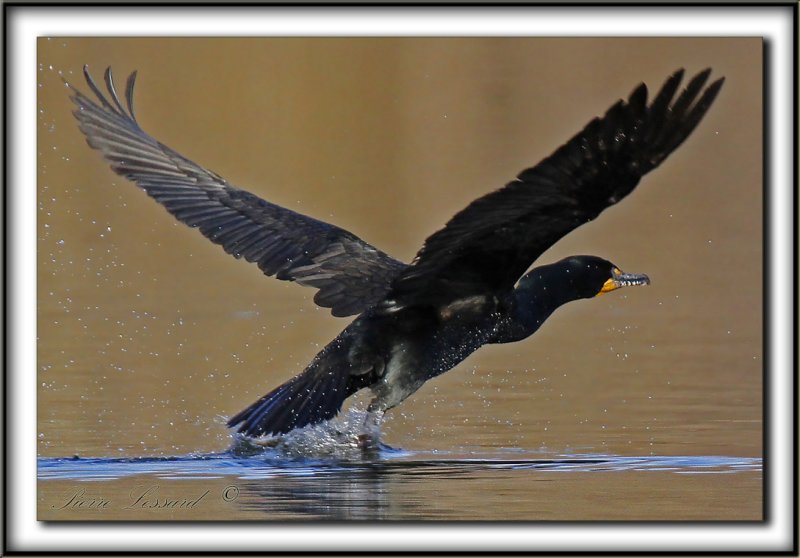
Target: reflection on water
(326,472)
(390,462)
(275,486)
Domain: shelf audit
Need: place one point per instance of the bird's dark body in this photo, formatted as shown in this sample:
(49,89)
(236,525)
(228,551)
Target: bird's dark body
(392,352)
(468,284)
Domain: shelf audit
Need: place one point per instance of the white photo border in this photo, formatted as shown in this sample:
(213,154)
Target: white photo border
(776,23)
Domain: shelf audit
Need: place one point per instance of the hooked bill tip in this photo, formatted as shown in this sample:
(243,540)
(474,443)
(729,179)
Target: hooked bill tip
(631,279)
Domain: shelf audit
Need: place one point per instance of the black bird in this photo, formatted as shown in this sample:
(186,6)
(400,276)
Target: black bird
(466,287)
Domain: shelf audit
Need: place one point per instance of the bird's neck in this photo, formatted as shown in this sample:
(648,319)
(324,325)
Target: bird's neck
(537,295)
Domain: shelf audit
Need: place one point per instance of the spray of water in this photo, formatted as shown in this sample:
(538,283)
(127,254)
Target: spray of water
(354,434)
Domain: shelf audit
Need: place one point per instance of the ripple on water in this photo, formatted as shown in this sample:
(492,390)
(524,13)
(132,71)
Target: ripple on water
(343,446)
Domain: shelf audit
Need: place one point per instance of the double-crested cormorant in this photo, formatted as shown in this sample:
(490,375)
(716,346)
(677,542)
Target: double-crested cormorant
(466,287)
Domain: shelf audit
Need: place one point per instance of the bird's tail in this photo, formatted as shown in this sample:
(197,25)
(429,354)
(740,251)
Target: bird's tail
(314,396)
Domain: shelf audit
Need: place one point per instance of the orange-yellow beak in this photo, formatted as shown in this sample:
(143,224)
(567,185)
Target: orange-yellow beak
(619,279)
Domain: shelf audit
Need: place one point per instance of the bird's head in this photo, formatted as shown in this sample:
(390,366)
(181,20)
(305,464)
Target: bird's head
(590,276)
(544,289)
(578,277)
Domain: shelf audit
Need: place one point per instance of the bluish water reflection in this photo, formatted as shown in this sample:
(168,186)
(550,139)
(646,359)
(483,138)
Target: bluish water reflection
(273,464)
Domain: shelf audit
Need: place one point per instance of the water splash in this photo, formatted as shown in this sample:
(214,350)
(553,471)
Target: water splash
(352,435)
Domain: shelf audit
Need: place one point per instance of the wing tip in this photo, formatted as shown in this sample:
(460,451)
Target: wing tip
(114,105)
(638,96)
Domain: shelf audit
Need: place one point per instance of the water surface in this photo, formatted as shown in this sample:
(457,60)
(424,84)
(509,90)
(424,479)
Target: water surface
(386,485)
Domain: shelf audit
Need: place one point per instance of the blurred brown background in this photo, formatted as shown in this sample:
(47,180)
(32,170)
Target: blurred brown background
(149,335)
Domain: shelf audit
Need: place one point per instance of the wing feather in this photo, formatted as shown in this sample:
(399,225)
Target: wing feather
(350,274)
(488,245)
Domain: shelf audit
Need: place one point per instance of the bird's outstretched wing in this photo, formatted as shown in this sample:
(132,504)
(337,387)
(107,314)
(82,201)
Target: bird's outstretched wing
(489,244)
(350,274)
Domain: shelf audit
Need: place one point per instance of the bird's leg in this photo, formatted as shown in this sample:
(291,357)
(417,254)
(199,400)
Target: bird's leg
(370,434)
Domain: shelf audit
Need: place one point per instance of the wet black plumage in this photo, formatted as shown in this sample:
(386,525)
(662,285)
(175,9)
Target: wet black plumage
(466,287)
